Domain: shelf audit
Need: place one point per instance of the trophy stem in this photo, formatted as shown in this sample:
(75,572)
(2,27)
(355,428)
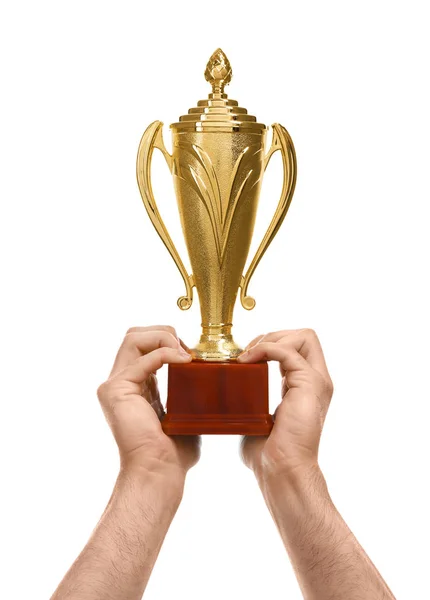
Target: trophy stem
(216,344)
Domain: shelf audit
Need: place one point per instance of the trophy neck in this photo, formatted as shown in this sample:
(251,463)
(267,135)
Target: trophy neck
(216,344)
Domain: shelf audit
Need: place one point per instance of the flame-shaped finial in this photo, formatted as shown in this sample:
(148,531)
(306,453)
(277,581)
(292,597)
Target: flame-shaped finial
(218,71)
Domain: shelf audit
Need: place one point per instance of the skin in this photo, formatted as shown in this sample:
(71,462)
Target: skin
(118,559)
(328,561)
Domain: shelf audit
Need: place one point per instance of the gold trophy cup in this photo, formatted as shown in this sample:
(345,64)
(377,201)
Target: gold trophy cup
(217,164)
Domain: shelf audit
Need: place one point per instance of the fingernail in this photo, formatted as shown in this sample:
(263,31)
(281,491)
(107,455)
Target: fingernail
(244,355)
(183,352)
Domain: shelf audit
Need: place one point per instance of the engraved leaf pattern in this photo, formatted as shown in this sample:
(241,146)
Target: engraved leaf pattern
(246,174)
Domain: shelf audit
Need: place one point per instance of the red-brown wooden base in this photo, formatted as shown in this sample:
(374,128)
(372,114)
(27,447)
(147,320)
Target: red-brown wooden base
(217,398)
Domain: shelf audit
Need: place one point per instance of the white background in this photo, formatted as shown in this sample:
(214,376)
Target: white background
(81,263)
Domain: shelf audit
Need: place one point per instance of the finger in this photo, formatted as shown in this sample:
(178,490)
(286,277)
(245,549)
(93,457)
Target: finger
(254,341)
(296,369)
(250,447)
(288,356)
(168,328)
(305,341)
(184,345)
(274,336)
(141,368)
(151,393)
(137,343)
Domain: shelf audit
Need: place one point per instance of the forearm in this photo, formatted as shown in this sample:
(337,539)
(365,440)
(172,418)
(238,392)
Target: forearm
(118,559)
(328,561)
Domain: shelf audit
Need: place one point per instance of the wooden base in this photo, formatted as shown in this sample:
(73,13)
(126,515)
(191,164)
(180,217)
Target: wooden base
(217,398)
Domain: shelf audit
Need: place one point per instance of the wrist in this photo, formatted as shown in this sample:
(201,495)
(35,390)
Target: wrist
(271,469)
(302,484)
(155,463)
(162,456)
(166,482)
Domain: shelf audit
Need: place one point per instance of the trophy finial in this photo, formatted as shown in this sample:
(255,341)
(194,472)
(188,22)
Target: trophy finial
(218,71)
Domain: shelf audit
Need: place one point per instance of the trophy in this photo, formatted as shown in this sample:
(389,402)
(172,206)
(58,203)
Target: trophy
(218,160)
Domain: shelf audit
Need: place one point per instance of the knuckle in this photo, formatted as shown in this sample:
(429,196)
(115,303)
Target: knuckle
(171,330)
(329,386)
(168,337)
(107,394)
(102,390)
(311,333)
(283,332)
(132,330)
(129,337)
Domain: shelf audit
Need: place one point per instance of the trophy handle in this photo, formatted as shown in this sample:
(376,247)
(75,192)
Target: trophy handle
(283,142)
(153,138)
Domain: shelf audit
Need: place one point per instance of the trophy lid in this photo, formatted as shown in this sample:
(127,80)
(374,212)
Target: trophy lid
(218,112)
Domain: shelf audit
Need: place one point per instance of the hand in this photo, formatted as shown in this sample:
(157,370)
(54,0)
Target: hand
(131,401)
(326,557)
(306,393)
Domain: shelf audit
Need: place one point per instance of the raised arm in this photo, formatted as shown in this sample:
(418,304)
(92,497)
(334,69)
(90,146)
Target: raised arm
(328,561)
(118,559)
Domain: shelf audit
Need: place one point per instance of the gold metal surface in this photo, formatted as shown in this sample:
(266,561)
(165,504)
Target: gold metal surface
(217,164)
